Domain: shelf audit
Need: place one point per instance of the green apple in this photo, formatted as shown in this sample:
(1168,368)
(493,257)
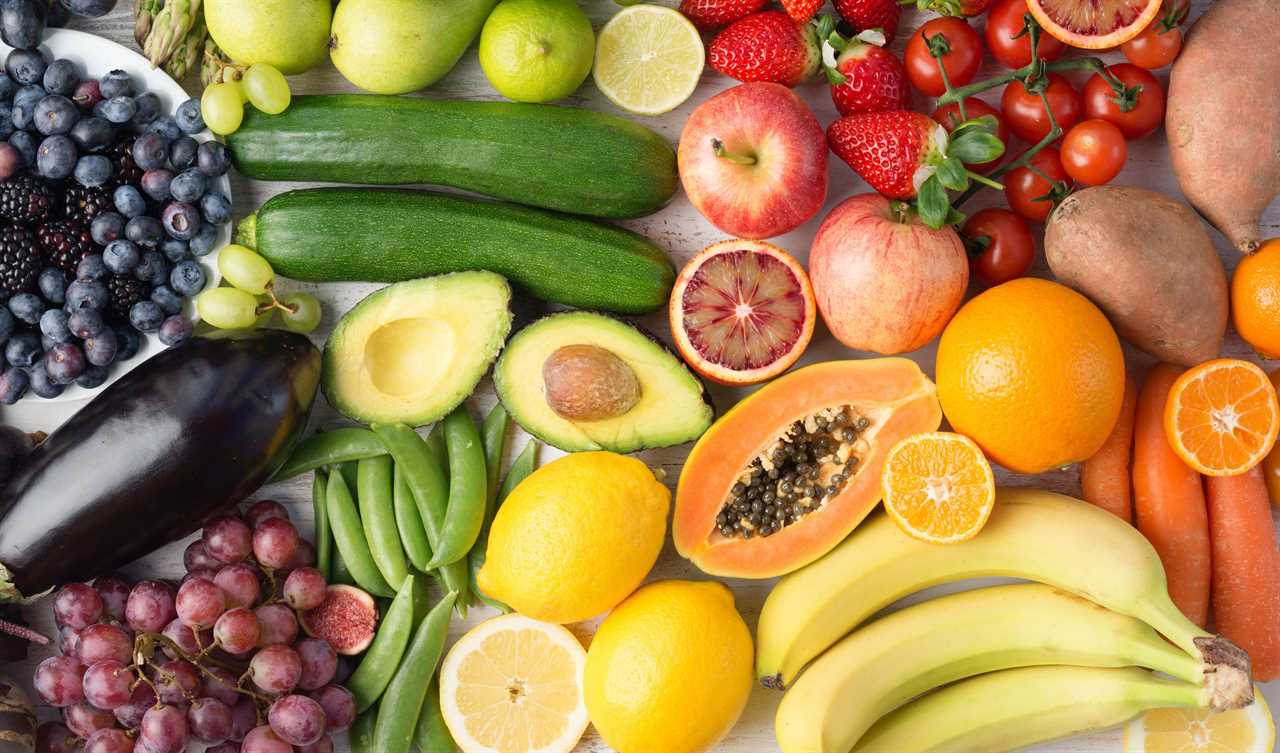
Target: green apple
(290,35)
(537,50)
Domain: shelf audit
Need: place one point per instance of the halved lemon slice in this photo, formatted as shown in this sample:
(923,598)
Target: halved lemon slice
(938,487)
(1094,24)
(1246,730)
(648,59)
(514,685)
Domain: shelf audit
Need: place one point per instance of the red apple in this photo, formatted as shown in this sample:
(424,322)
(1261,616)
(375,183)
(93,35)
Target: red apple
(885,281)
(753,160)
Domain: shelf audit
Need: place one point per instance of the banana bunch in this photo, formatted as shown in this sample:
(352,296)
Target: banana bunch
(1100,604)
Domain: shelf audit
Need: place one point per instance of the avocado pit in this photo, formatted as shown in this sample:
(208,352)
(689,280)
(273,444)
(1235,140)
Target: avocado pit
(589,383)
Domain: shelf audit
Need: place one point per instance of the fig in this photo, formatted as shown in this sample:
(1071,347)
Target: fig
(346,619)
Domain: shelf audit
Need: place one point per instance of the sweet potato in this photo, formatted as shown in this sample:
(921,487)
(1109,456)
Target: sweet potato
(1148,262)
(1224,135)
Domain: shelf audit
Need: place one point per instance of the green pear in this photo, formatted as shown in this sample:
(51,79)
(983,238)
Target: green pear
(401,46)
(291,35)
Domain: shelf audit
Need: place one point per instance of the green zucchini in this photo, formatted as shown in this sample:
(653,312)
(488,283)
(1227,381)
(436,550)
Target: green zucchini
(561,158)
(387,235)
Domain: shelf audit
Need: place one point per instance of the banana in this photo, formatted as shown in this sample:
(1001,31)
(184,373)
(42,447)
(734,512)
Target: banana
(881,666)
(1007,710)
(1032,534)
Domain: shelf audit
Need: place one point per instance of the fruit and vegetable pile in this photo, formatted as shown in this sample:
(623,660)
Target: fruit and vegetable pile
(895,377)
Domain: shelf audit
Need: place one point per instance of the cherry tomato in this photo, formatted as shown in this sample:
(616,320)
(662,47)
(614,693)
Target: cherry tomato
(961,62)
(1023,188)
(949,117)
(1155,46)
(1025,111)
(1099,101)
(1094,152)
(1009,250)
(1004,22)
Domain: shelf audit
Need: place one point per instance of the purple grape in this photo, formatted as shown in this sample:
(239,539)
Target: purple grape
(305,588)
(197,556)
(58,681)
(112,740)
(164,729)
(199,602)
(189,640)
(264,509)
(114,591)
(323,745)
(54,737)
(244,717)
(220,683)
(150,606)
(206,573)
(239,584)
(237,631)
(102,642)
(177,681)
(209,720)
(297,719)
(69,642)
(319,663)
(278,625)
(339,706)
(276,669)
(228,538)
(108,684)
(264,740)
(130,714)
(305,556)
(227,747)
(275,541)
(77,605)
(83,720)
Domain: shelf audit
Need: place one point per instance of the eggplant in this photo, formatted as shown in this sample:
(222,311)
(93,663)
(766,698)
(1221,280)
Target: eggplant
(17,720)
(183,437)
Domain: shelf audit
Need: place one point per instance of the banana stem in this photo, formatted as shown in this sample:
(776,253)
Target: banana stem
(1224,666)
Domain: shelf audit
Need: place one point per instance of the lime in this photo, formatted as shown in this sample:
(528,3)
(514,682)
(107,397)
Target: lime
(537,50)
(649,59)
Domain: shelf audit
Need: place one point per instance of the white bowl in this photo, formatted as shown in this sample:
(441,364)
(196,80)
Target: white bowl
(94,57)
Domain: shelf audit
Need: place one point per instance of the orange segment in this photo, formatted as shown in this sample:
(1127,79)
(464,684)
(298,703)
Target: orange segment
(1094,24)
(938,487)
(1222,417)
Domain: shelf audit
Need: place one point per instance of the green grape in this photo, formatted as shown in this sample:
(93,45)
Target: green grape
(268,311)
(266,88)
(301,312)
(245,269)
(222,109)
(227,308)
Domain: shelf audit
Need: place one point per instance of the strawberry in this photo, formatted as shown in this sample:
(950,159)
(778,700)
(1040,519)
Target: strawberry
(768,46)
(802,11)
(871,14)
(712,14)
(894,152)
(865,77)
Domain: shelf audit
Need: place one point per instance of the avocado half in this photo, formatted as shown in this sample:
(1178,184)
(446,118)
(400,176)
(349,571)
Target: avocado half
(412,351)
(673,407)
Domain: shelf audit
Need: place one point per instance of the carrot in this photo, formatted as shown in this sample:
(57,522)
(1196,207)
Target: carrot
(1104,478)
(1246,569)
(1168,500)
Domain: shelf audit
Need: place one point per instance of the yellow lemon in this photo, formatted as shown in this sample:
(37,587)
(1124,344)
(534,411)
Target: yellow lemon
(576,537)
(670,669)
(1246,730)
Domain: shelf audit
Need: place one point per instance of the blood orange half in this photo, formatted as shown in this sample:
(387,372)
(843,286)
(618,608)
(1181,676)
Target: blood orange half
(742,312)
(1094,24)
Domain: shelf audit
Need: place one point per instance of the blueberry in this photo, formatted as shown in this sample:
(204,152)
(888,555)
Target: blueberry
(87,95)
(175,250)
(27,307)
(8,87)
(58,15)
(144,231)
(42,384)
(55,114)
(213,159)
(64,363)
(53,325)
(166,126)
(61,77)
(93,134)
(147,105)
(118,110)
(166,299)
(188,116)
(151,151)
(13,385)
(6,118)
(121,256)
(26,145)
(86,294)
(216,207)
(56,157)
(187,278)
(106,227)
(24,106)
(7,324)
(146,316)
(93,170)
(117,83)
(22,22)
(129,342)
(53,285)
(182,152)
(175,330)
(203,241)
(26,66)
(181,220)
(189,185)
(158,184)
(89,8)
(93,376)
(129,201)
(23,349)
(101,347)
(85,323)
(153,269)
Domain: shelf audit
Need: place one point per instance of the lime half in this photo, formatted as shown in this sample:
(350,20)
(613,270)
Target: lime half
(648,59)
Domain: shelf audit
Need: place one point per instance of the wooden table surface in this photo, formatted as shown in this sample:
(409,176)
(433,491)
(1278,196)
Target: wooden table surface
(682,231)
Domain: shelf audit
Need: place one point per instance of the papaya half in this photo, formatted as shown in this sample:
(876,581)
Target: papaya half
(788,472)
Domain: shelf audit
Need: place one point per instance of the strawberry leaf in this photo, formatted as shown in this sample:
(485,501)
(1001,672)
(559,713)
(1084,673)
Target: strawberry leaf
(951,174)
(975,146)
(954,216)
(986,123)
(933,203)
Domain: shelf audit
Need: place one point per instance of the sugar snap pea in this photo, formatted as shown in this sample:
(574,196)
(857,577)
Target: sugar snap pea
(350,471)
(360,735)
(378,516)
(324,536)
(384,654)
(467,489)
(329,448)
(341,573)
(349,536)
(524,465)
(402,701)
(413,534)
(431,734)
(493,435)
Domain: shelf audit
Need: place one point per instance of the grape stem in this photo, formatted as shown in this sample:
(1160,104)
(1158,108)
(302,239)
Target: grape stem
(145,645)
(23,632)
(274,303)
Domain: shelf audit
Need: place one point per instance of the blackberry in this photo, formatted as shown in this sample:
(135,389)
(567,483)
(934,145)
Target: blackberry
(126,170)
(20,261)
(65,243)
(25,199)
(83,204)
(122,292)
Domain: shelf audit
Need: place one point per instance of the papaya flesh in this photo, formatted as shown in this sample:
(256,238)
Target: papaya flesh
(788,472)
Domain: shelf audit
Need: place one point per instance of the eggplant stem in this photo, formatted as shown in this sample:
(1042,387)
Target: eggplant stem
(23,632)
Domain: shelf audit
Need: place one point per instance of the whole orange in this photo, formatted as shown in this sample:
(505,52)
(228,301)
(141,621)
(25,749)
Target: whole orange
(1255,299)
(1033,372)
